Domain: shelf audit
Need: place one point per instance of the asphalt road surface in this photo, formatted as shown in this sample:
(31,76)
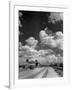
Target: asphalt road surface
(44,72)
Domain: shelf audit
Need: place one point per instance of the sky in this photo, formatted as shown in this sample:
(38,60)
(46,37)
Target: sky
(41,33)
(32,22)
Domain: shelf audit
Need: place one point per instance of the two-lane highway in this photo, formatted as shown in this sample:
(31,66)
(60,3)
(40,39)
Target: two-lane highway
(38,73)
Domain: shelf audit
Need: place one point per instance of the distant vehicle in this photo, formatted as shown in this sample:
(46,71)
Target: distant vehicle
(30,64)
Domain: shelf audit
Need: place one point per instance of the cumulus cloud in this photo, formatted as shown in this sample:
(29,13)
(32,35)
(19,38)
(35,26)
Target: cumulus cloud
(32,42)
(29,52)
(43,35)
(59,44)
(32,54)
(28,48)
(59,35)
(46,39)
(45,52)
(43,56)
(50,41)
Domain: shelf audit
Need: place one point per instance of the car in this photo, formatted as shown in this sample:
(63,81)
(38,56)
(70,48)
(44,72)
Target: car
(32,64)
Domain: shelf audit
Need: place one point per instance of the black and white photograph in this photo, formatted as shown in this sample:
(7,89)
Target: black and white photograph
(40,44)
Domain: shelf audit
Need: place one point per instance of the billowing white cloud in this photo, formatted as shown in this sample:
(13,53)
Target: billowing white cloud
(28,48)
(46,39)
(29,52)
(32,42)
(45,52)
(43,35)
(43,56)
(59,43)
(32,54)
(59,35)
(50,41)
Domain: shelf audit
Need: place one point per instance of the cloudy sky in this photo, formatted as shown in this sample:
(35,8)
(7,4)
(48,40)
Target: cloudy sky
(31,23)
(41,36)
